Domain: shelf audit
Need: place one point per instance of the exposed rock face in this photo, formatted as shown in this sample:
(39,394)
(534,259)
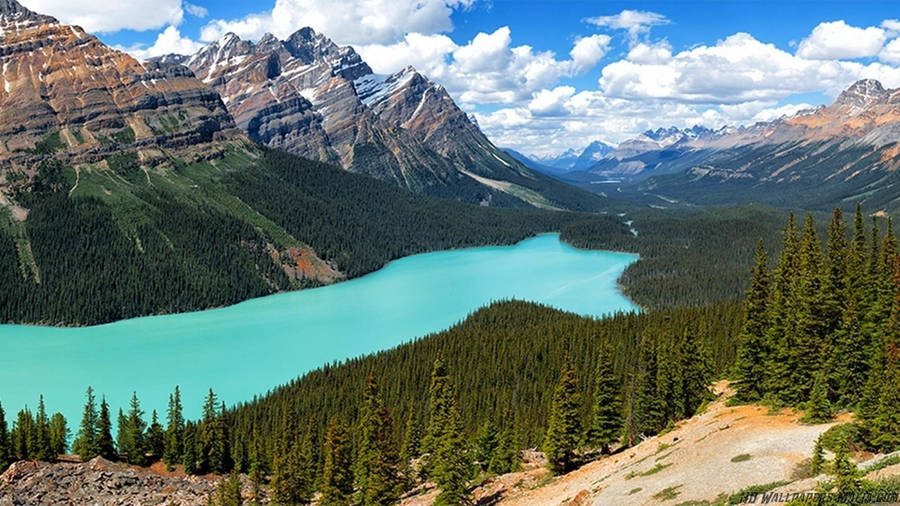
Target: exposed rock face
(65,93)
(97,482)
(313,98)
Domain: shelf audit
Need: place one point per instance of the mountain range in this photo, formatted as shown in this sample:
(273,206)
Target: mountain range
(569,160)
(308,96)
(843,153)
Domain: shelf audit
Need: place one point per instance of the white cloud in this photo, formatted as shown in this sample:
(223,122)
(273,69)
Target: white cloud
(107,17)
(892,26)
(636,23)
(551,102)
(838,40)
(196,10)
(736,69)
(168,41)
(427,53)
(657,53)
(344,21)
(891,52)
(588,51)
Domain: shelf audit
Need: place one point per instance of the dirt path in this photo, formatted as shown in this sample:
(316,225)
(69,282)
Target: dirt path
(712,454)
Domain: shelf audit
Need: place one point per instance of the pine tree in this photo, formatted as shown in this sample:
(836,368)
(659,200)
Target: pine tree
(229,491)
(437,409)
(696,371)
(5,447)
(782,309)
(486,444)
(834,285)
(290,481)
(818,409)
(219,454)
(804,357)
(174,442)
(886,423)
(452,467)
(189,456)
(376,461)
(103,441)
(750,365)
(849,359)
(155,437)
(337,475)
(59,434)
(131,432)
(817,464)
(563,429)
(43,450)
(606,420)
(506,458)
(205,433)
(24,440)
(844,470)
(85,444)
(409,448)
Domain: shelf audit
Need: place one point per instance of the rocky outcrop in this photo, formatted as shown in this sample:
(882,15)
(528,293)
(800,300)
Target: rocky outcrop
(98,481)
(68,95)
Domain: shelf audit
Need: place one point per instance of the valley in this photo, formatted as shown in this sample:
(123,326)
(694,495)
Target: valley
(284,259)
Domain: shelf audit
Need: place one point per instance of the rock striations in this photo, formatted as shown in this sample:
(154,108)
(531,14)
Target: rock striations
(68,95)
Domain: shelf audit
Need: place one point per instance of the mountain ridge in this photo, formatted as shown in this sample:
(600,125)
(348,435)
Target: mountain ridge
(313,98)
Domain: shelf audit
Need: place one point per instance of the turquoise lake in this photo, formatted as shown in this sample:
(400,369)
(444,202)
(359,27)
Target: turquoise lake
(246,349)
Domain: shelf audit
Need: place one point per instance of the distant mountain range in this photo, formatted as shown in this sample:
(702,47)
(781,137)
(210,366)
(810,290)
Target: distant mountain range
(569,160)
(310,97)
(843,153)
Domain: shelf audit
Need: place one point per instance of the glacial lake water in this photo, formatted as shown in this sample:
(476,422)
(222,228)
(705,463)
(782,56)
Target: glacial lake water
(246,349)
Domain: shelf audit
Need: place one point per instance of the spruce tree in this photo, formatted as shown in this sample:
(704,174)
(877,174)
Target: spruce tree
(606,419)
(174,443)
(817,464)
(506,458)
(886,423)
(219,454)
(805,353)
(437,409)
(376,461)
(782,317)
(452,467)
(189,455)
(485,444)
(410,447)
(155,437)
(849,358)
(844,470)
(834,284)
(229,491)
(85,444)
(818,409)
(43,449)
(59,434)
(750,365)
(132,441)
(337,474)
(563,429)
(103,441)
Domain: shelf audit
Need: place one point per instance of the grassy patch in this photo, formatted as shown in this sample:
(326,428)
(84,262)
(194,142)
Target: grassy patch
(668,493)
(124,136)
(881,464)
(802,470)
(635,490)
(744,457)
(848,432)
(653,470)
(49,144)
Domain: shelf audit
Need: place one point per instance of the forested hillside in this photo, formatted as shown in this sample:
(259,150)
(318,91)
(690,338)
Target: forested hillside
(688,256)
(101,244)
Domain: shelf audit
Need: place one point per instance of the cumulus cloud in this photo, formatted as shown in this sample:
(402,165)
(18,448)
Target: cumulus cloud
(737,69)
(588,51)
(168,41)
(345,21)
(107,17)
(636,23)
(657,53)
(891,52)
(838,40)
(488,69)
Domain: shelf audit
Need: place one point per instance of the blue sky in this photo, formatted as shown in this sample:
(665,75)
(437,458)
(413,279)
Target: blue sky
(541,75)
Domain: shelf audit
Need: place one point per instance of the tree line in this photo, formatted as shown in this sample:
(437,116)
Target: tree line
(822,327)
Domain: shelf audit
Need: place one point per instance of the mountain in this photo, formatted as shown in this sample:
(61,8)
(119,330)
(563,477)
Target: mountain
(310,97)
(846,153)
(567,161)
(127,189)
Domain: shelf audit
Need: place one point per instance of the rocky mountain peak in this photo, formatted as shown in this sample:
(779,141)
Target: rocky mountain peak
(862,93)
(12,11)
